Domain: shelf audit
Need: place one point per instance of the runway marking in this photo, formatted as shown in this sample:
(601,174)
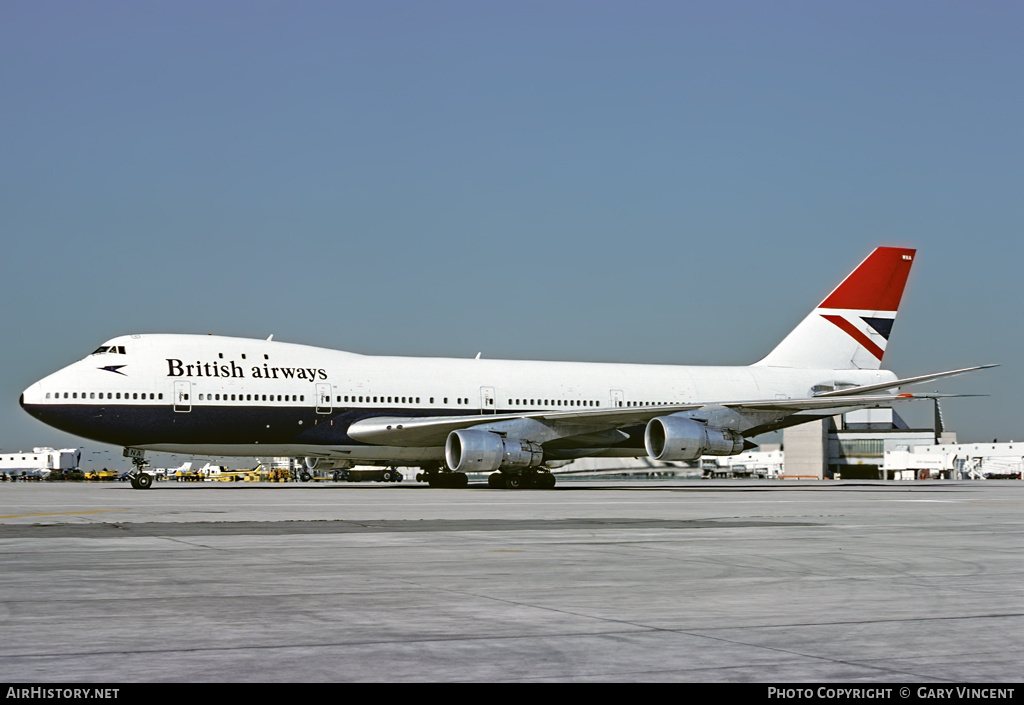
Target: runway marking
(56,514)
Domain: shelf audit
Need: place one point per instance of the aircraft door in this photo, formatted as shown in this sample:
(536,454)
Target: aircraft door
(323,398)
(182,396)
(616,395)
(487,402)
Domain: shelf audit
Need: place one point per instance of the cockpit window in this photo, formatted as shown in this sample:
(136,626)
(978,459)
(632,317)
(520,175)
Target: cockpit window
(101,349)
(119,349)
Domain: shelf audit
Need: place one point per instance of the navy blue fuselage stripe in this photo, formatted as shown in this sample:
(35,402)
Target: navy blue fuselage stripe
(151,424)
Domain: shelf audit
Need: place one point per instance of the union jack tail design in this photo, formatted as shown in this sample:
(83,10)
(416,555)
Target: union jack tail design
(850,328)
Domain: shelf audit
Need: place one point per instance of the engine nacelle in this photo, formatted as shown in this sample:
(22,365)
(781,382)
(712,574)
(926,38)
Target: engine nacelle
(680,438)
(482,451)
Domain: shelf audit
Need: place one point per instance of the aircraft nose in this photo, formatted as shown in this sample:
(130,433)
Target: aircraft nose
(30,398)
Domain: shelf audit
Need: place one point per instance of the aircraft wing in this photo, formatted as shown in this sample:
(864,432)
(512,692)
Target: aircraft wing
(433,431)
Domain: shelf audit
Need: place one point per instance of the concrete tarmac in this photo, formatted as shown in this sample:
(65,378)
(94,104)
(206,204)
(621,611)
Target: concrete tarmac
(688,581)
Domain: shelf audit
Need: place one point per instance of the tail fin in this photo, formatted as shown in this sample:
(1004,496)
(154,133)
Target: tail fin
(850,328)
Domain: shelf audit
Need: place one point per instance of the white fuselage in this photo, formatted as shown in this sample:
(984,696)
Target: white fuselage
(245,397)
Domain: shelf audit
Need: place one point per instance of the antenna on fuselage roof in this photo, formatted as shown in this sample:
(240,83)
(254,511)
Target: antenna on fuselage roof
(478,355)
(271,337)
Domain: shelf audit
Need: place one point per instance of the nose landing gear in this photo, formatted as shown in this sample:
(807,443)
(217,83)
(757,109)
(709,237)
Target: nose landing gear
(139,479)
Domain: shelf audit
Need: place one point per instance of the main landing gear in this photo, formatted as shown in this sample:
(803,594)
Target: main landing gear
(519,481)
(529,479)
(447,479)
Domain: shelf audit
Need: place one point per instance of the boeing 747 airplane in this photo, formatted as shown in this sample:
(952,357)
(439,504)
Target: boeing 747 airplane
(219,396)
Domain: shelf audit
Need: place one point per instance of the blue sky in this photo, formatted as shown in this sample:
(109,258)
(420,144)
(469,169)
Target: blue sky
(675,182)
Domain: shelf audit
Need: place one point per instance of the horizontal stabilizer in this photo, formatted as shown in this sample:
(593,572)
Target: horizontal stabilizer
(871,388)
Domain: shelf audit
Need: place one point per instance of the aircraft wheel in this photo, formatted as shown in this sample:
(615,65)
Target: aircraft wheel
(386,476)
(134,482)
(513,482)
(305,476)
(144,481)
(495,480)
(449,480)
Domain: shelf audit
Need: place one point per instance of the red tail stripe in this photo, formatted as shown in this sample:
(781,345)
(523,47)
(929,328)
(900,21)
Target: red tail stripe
(877,284)
(852,331)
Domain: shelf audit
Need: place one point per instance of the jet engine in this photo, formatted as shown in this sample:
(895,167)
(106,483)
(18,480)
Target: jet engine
(680,438)
(469,450)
